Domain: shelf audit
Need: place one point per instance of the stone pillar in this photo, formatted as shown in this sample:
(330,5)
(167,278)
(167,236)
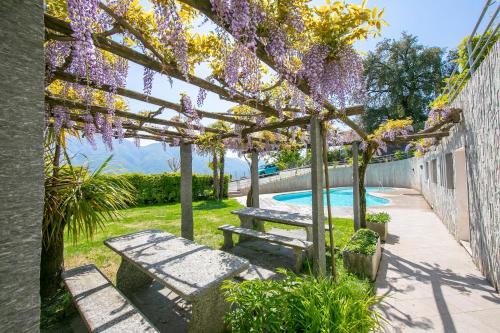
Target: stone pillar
(186,191)
(22,122)
(355,184)
(254,170)
(318,214)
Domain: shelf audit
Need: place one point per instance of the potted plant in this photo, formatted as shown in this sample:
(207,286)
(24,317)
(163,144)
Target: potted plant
(362,253)
(378,222)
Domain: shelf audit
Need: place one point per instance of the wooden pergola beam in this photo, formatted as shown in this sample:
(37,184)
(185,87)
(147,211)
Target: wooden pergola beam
(301,121)
(417,136)
(128,115)
(68,77)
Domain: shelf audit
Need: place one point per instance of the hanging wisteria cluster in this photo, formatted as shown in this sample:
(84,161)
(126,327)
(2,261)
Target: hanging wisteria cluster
(82,58)
(171,31)
(436,115)
(339,79)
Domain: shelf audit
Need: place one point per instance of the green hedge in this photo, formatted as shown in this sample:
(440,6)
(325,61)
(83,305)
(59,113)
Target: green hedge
(165,187)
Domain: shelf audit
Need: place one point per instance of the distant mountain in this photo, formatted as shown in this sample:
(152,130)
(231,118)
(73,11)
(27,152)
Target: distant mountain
(145,159)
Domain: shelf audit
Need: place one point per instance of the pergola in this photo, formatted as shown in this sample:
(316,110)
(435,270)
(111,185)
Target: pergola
(147,126)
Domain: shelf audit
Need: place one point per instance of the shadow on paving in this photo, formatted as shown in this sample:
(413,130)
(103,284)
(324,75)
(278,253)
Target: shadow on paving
(442,285)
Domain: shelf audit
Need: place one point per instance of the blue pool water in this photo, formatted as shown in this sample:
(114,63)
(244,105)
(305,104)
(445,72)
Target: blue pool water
(340,197)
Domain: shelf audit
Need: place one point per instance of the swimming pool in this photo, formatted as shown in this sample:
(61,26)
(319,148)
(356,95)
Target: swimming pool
(339,196)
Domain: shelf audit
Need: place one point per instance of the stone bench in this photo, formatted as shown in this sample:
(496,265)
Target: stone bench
(250,214)
(192,271)
(298,246)
(102,307)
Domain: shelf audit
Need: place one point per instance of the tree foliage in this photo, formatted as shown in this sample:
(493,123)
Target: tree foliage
(403,77)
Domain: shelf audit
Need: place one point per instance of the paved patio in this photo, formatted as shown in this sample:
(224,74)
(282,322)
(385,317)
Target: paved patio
(429,281)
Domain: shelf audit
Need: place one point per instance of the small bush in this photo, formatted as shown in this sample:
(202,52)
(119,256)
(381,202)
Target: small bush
(381,217)
(166,187)
(297,304)
(364,241)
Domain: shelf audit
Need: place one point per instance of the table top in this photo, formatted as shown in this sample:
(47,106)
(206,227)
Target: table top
(182,265)
(290,218)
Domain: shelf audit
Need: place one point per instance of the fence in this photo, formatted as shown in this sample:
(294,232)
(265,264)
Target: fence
(476,52)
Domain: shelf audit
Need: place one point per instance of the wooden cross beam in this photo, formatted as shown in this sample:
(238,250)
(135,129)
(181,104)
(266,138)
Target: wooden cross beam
(128,115)
(68,77)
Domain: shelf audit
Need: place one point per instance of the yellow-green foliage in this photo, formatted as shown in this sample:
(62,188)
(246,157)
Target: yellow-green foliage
(391,124)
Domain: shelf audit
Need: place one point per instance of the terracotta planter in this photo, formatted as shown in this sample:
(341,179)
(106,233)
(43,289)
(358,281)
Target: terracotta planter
(363,264)
(379,228)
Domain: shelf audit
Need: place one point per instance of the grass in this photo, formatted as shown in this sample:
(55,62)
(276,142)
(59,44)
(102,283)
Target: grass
(207,215)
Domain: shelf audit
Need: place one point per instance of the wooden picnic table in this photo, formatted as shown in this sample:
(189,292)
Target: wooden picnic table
(194,272)
(250,214)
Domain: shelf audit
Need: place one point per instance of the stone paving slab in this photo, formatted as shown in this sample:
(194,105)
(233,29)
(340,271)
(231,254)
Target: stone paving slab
(428,278)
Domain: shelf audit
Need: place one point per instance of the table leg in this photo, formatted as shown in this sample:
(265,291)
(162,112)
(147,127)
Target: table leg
(309,234)
(208,312)
(228,240)
(129,278)
(250,223)
(298,255)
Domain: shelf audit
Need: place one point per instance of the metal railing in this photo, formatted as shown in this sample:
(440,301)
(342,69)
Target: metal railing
(475,54)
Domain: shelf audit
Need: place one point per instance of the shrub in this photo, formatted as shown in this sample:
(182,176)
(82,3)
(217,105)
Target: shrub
(364,241)
(297,304)
(399,155)
(166,187)
(381,217)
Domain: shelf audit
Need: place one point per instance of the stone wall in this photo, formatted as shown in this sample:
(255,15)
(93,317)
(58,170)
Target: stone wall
(21,162)
(480,102)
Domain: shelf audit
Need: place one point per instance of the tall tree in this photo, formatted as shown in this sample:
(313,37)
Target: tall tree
(403,77)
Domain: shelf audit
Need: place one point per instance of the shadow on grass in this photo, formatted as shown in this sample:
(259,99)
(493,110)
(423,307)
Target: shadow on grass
(212,204)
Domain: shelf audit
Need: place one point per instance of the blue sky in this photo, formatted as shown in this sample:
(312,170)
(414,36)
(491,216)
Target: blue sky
(442,23)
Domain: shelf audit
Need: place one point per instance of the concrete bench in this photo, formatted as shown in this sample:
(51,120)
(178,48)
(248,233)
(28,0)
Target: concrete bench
(192,271)
(102,307)
(250,214)
(298,246)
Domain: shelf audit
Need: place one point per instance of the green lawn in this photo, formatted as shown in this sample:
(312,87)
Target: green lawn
(208,215)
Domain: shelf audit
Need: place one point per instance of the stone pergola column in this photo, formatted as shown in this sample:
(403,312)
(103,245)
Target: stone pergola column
(318,214)
(22,123)
(254,178)
(186,153)
(355,184)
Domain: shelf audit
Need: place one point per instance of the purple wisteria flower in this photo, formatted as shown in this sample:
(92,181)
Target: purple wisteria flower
(171,33)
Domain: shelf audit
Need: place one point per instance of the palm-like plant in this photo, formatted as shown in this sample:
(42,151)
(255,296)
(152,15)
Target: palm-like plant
(78,201)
